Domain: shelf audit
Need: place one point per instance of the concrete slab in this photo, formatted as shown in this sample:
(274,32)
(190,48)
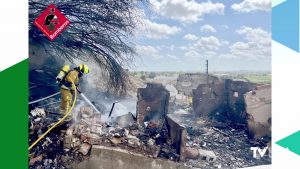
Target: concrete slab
(115,158)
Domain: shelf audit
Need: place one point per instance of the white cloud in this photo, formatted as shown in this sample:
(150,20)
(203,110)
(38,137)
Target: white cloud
(183,47)
(173,57)
(148,51)
(210,53)
(171,47)
(195,54)
(256,47)
(155,30)
(225,42)
(187,11)
(256,35)
(191,37)
(207,28)
(225,26)
(252,5)
(208,43)
(228,56)
(192,54)
(204,47)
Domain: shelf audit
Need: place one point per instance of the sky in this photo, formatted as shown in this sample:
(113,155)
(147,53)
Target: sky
(180,35)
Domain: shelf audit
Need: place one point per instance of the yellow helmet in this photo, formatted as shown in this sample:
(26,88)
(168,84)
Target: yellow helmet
(84,68)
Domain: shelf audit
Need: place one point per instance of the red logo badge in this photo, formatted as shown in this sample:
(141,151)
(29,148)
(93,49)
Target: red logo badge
(52,22)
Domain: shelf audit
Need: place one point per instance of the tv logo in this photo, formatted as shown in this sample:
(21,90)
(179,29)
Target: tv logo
(261,152)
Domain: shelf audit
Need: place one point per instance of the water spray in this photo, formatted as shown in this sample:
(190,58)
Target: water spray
(90,103)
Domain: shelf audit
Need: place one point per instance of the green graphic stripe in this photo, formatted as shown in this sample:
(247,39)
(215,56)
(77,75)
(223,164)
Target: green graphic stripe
(291,142)
(14,116)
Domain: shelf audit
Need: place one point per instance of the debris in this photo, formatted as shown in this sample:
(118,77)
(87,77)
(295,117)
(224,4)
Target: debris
(151,142)
(154,150)
(48,139)
(90,138)
(36,159)
(75,142)
(65,158)
(125,120)
(116,140)
(70,130)
(220,131)
(133,141)
(207,155)
(85,148)
(86,112)
(68,142)
(117,135)
(153,124)
(174,136)
(191,153)
(218,166)
(126,132)
(37,119)
(38,112)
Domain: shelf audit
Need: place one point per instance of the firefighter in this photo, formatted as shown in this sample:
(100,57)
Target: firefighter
(67,90)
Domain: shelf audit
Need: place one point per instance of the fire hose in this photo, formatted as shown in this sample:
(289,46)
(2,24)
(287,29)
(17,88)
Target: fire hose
(57,123)
(44,98)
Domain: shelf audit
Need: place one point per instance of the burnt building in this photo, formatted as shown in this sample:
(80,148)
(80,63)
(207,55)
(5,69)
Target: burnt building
(189,81)
(224,101)
(152,104)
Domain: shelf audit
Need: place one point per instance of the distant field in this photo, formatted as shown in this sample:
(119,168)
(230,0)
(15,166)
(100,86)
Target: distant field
(261,78)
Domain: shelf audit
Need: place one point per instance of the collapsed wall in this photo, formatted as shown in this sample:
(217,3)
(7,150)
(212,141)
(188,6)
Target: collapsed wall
(152,104)
(208,98)
(235,91)
(178,135)
(223,100)
(258,107)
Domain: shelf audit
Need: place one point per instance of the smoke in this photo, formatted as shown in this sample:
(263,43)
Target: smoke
(124,106)
(93,85)
(97,77)
(76,111)
(89,102)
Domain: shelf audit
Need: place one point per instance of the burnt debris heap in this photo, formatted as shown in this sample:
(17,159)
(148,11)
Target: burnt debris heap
(203,122)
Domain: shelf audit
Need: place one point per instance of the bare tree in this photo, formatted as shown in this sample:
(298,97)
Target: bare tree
(99,30)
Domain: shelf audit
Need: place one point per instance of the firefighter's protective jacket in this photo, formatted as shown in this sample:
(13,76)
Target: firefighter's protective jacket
(72,76)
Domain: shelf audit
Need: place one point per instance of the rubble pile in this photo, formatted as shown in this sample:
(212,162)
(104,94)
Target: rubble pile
(74,143)
(211,144)
(49,152)
(155,131)
(122,132)
(65,146)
